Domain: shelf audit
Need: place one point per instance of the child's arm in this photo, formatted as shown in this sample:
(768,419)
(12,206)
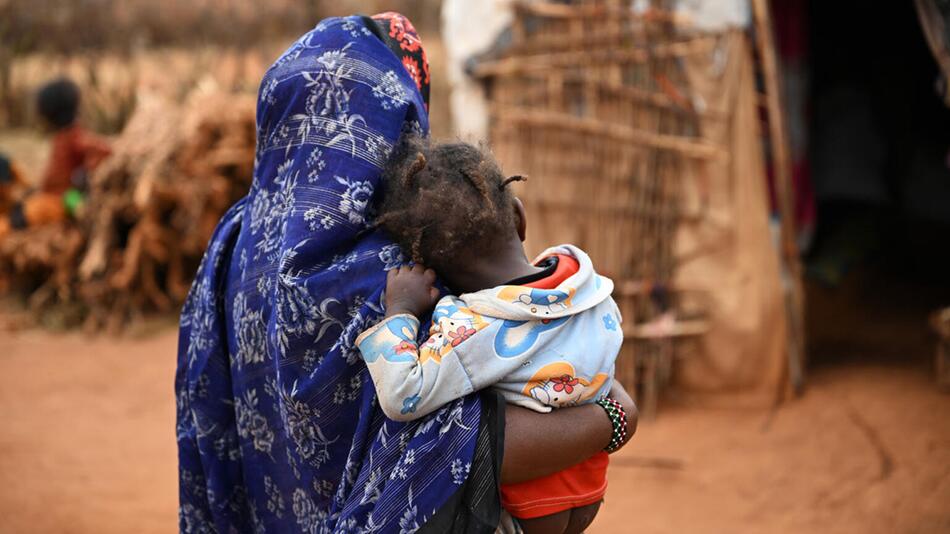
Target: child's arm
(412,381)
(94,149)
(392,354)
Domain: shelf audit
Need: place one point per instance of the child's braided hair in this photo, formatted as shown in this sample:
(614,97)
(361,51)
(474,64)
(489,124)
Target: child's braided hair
(444,202)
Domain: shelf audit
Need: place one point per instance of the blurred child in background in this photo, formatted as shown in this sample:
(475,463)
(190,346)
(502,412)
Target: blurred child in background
(75,152)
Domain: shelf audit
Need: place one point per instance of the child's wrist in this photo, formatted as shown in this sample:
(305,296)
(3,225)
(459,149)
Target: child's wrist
(618,421)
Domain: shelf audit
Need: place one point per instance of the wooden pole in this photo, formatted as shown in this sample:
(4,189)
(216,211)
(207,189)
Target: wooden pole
(782,166)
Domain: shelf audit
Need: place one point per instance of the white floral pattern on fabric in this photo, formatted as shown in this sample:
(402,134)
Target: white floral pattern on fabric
(329,120)
(319,219)
(460,471)
(251,333)
(267,91)
(251,423)
(309,517)
(275,501)
(301,315)
(298,418)
(355,29)
(270,211)
(391,257)
(355,200)
(316,164)
(389,91)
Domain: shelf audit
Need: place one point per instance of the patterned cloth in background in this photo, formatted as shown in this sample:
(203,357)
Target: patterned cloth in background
(279,429)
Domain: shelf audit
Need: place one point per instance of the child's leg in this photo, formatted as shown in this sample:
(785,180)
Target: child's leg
(582,517)
(572,521)
(548,524)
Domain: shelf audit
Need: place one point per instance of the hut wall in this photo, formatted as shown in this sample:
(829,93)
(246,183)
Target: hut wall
(731,250)
(641,144)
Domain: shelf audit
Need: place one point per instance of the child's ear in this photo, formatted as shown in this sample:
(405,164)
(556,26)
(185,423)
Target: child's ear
(521,219)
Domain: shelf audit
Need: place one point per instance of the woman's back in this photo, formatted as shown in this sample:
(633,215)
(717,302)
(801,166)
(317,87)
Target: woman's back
(278,427)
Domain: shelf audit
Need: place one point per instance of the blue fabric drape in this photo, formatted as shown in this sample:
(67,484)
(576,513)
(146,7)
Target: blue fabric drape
(278,425)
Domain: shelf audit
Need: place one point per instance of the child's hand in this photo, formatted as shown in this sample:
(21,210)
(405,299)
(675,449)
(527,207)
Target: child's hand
(410,290)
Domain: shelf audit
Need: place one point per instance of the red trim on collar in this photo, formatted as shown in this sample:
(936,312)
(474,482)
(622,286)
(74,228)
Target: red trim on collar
(567,266)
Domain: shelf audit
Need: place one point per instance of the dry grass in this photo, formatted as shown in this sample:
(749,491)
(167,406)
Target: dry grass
(110,82)
(114,47)
(94,25)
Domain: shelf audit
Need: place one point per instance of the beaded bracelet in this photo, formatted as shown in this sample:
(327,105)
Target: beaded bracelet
(618,419)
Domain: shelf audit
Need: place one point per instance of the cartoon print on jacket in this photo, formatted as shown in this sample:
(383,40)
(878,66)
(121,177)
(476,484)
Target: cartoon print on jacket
(451,325)
(514,338)
(557,385)
(404,330)
(540,301)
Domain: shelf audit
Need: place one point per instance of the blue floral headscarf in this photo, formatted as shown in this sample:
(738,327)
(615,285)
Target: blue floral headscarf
(278,425)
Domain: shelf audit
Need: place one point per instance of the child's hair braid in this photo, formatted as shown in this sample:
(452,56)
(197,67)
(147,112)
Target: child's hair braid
(444,203)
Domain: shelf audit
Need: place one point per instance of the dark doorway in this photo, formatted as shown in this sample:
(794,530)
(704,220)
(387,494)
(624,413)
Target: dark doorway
(878,149)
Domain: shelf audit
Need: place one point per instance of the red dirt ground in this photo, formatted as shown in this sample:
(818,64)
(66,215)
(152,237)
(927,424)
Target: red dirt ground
(87,445)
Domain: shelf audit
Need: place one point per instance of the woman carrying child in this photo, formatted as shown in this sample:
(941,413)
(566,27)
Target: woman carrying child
(279,426)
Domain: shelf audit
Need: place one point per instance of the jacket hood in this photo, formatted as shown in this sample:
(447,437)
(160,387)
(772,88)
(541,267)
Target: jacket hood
(581,291)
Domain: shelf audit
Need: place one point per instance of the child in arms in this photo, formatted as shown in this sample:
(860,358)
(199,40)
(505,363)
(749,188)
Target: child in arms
(544,333)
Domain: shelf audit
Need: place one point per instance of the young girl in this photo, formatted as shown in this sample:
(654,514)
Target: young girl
(74,153)
(544,333)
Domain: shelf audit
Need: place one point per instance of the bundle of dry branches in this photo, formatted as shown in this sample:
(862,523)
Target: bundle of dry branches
(149,213)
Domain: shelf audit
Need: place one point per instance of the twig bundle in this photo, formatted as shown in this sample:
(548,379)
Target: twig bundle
(149,213)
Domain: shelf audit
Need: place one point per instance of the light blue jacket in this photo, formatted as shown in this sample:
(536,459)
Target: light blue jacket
(541,348)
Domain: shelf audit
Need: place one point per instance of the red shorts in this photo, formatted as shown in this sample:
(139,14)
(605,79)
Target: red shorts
(579,485)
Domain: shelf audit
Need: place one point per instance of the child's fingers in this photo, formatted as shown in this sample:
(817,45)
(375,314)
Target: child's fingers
(418,268)
(434,293)
(430,276)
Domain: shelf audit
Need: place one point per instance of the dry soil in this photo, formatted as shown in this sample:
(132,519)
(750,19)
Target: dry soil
(87,446)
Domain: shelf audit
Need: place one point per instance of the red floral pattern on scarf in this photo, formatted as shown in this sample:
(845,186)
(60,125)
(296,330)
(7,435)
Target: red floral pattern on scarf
(401,30)
(404,41)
